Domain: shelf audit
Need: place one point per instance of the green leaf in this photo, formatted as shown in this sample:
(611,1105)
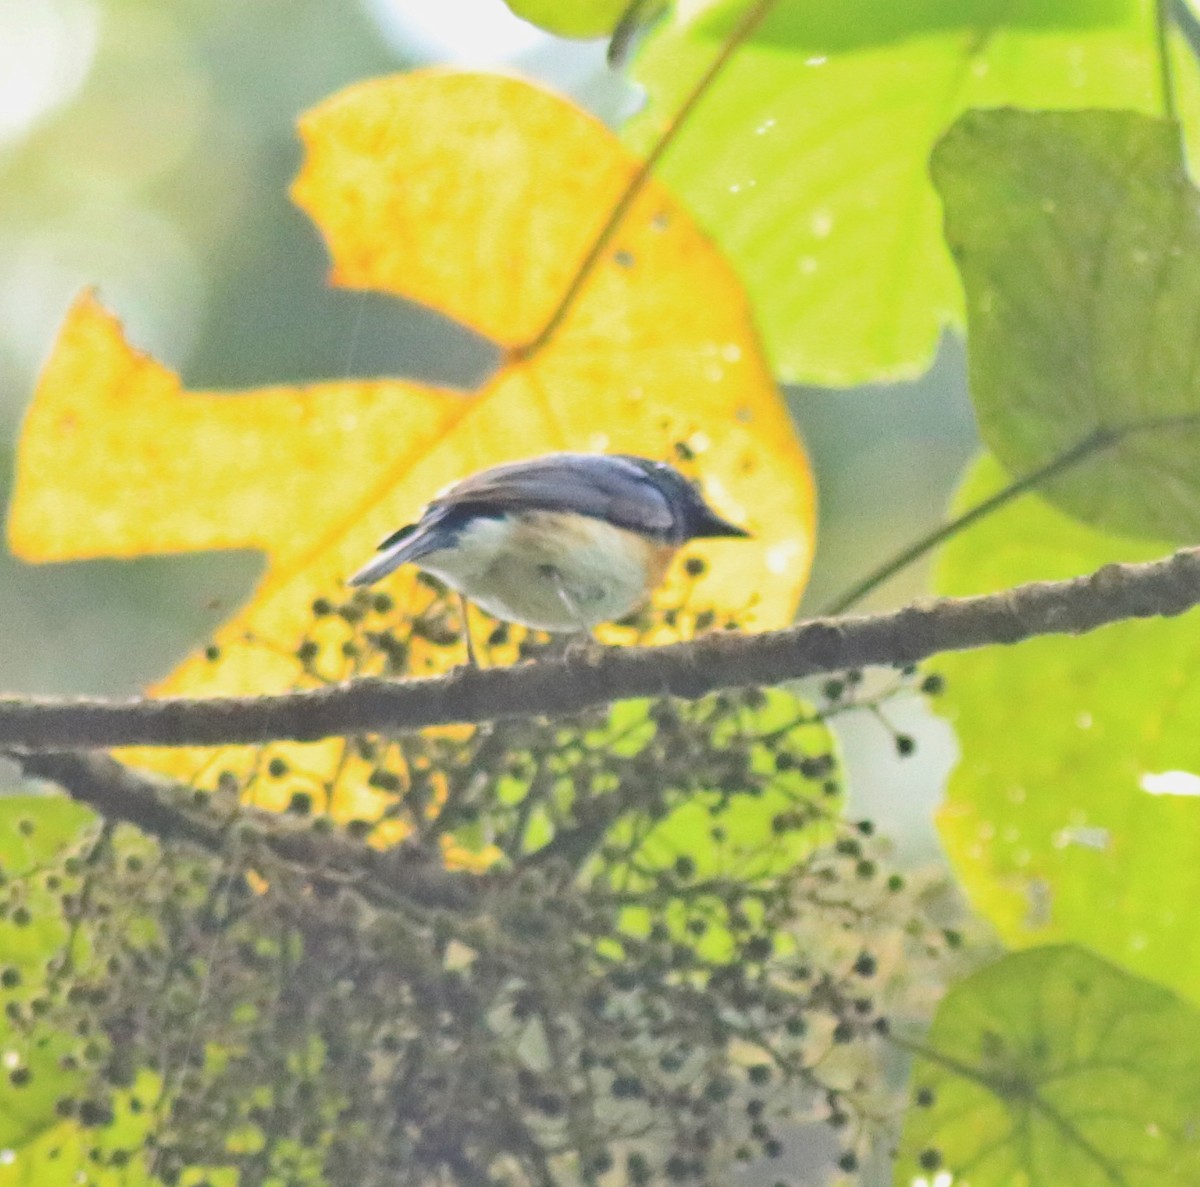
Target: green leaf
(1078,238)
(807,159)
(746,845)
(33,831)
(1055,819)
(29,1107)
(35,828)
(572,18)
(115,1153)
(1051,1068)
(745,832)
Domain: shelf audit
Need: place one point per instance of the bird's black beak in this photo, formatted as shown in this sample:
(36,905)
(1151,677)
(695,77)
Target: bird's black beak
(708,524)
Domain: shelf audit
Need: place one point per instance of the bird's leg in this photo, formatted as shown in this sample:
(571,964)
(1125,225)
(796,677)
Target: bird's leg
(472,658)
(588,639)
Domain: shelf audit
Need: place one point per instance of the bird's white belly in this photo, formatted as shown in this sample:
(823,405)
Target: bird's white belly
(549,571)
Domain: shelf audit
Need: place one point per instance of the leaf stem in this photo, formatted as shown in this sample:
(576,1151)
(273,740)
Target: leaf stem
(948,1063)
(749,21)
(1166,76)
(637,16)
(1184,19)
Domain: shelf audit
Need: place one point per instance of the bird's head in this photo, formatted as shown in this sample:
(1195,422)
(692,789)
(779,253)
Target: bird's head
(694,518)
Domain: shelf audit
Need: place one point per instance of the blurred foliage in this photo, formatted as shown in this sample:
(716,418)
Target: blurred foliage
(678,950)
(621,993)
(33,933)
(807,159)
(250,309)
(163,183)
(164,180)
(574,18)
(658,346)
(1050,822)
(1091,199)
(1094,203)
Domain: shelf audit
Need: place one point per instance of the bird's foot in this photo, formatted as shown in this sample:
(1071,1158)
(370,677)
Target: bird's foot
(583,648)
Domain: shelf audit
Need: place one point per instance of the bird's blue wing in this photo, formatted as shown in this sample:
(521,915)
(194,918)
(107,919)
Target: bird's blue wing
(612,487)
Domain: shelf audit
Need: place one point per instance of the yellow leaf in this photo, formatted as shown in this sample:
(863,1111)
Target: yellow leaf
(480,196)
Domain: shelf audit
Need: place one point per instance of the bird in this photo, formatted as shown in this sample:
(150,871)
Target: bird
(559,543)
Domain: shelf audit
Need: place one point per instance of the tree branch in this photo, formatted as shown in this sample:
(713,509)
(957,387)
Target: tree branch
(553,688)
(173,812)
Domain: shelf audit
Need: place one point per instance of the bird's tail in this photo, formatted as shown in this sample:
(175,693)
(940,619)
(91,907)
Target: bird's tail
(401,548)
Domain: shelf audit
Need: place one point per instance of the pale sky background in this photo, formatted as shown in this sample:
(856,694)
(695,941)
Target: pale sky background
(47,46)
